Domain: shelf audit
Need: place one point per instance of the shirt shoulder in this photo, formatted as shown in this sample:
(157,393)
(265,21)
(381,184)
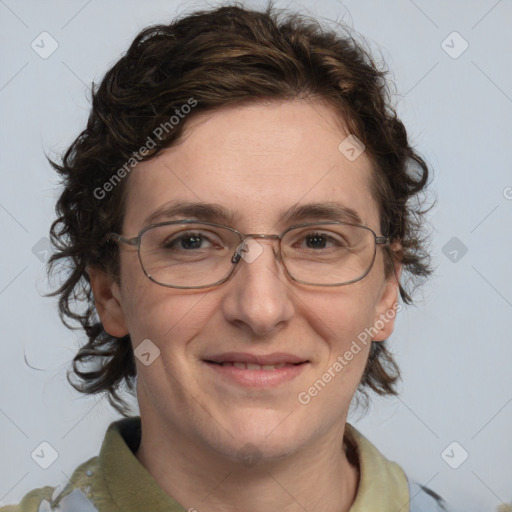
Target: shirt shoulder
(31,500)
(380,477)
(90,487)
(71,496)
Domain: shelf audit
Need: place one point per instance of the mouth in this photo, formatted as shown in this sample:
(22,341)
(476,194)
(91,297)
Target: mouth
(254,366)
(256,371)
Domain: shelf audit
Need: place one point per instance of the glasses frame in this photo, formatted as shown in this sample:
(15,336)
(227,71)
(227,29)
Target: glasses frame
(380,240)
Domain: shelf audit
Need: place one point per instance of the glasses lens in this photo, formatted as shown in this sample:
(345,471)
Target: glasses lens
(328,254)
(187,255)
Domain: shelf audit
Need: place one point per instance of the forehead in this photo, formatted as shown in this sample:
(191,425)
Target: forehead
(257,162)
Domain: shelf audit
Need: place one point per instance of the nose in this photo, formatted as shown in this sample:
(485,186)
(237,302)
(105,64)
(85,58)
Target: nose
(259,295)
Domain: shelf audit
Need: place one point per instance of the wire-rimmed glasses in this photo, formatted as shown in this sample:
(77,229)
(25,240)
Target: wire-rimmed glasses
(193,254)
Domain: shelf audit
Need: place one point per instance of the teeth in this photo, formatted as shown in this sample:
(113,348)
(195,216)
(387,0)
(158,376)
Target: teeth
(253,366)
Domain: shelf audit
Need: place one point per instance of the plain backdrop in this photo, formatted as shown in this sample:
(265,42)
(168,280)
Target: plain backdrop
(451,64)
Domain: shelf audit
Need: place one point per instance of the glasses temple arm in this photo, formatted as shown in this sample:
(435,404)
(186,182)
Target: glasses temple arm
(119,238)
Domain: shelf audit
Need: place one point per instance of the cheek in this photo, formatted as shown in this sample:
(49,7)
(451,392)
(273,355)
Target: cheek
(342,315)
(344,320)
(168,317)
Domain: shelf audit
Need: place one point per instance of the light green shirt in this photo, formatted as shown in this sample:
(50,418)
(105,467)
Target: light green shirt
(115,481)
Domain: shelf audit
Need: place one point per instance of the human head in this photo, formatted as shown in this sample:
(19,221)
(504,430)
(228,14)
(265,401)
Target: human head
(140,104)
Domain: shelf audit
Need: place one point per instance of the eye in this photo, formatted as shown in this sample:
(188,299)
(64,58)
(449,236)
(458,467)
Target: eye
(316,241)
(187,241)
(321,240)
(191,241)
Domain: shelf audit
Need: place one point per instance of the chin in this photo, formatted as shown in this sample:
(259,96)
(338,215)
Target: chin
(252,452)
(257,437)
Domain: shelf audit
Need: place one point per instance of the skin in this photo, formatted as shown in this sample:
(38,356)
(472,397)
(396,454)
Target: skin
(255,159)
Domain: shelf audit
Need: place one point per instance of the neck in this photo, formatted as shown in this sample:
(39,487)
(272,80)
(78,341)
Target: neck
(316,478)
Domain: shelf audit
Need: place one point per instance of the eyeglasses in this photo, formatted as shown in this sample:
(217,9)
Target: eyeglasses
(191,254)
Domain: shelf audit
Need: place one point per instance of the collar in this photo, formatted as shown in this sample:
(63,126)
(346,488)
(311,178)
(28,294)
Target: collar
(382,483)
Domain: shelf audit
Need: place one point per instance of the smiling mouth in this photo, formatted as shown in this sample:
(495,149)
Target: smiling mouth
(245,370)
(254,366)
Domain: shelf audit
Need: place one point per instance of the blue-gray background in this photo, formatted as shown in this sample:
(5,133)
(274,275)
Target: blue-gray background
(454,346)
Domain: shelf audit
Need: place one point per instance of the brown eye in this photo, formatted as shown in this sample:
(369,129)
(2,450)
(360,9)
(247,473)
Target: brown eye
(187,242)
(316,241)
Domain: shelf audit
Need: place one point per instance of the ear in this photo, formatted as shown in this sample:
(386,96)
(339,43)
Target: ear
(107,299)
(387,306)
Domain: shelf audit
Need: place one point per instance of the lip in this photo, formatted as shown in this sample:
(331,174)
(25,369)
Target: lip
(262,378)
(262,359)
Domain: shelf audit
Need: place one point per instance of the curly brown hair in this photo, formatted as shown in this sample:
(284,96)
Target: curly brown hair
(222,57)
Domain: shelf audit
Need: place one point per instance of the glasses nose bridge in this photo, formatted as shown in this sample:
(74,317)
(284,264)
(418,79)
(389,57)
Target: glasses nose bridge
(260,236)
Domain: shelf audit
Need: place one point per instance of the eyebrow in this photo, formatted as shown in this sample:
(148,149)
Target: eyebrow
(322,211)
(211,212)
(202,211)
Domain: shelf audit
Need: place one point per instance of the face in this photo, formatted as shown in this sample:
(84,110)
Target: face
(257,161)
